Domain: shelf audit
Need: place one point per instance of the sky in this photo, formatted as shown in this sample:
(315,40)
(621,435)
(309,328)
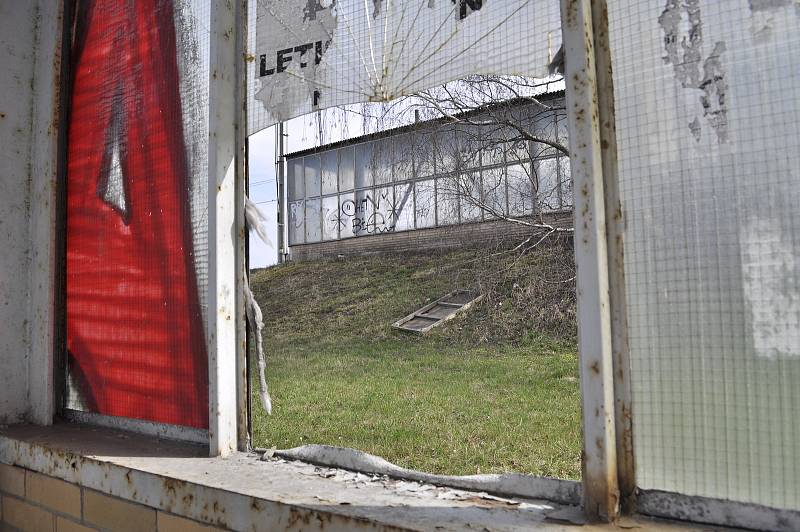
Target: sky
(301,133)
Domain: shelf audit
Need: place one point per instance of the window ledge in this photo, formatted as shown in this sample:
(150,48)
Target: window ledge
(241,492)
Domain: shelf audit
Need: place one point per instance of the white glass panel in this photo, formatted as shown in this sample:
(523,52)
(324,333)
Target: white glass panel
(707,102)
(469,141)
(330,218)
(297,217)
(494,192)
(313,221)
(520,191)
(470,197)
(403,158)
(382,161)
(347,214)
(492,151)
(404,207)
(517,151)
(445,150)
(548,198)
(382,220)
(446,202)
(544,126)
(329,171)
(561,127)
(425,203)
(423,154)
(363,210)
(311,164)
(566,182)
(346,168)
(295,179)
(364,162)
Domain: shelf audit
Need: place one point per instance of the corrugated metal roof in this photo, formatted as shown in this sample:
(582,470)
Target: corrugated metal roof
(427,123)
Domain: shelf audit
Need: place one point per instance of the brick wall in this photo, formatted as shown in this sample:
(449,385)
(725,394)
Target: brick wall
(483,233)
(34,502)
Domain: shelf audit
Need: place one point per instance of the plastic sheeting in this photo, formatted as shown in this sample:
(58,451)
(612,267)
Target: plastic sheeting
(313,54)
(707,107)
(136,211)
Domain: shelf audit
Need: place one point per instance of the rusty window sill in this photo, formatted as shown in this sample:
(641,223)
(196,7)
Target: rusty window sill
(241,492)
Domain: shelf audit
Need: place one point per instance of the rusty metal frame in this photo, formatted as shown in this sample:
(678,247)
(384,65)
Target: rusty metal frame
(243,428)
(140,426)
(47,212)
(226,234)
(600,478)
(615,230)
(711,511)
(59,296)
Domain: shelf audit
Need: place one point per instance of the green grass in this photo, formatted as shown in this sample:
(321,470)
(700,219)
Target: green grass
(493,391)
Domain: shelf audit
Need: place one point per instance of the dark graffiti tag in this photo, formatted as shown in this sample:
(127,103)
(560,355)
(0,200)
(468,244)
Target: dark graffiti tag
(371,215)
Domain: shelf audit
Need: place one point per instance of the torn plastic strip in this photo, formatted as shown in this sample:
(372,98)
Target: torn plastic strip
(254,219)
(507,484)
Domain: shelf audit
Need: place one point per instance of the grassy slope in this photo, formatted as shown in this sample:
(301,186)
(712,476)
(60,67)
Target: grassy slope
(488,392)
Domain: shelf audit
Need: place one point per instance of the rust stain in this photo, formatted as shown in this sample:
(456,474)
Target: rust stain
(172,485)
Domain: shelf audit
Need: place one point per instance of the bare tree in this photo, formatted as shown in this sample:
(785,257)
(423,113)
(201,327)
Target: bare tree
(501,138)
(498,144)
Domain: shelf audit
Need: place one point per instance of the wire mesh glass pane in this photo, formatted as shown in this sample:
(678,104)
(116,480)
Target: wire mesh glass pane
(315,55)
(707,106)
(137,218)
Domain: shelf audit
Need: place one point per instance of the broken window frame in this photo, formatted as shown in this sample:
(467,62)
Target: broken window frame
(226,337)
(608,467)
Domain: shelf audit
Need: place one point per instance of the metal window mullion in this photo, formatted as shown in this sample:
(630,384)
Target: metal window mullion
(243,428)
(223,212)
(414,176)
(600,485)
(615,229)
